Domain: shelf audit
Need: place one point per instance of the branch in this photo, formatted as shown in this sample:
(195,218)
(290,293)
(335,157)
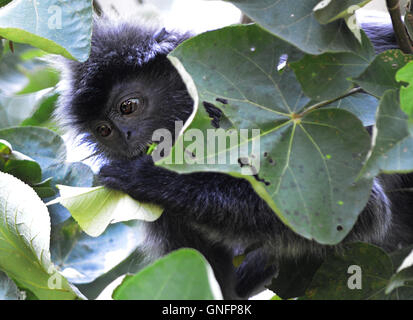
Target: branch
(402,37)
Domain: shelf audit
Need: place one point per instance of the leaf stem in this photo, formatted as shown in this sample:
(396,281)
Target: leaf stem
(403,40)
(327,102)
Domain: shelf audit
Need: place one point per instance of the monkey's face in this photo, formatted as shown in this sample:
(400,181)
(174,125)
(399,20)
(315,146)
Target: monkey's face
(125,91)
(135,108)
(131,114)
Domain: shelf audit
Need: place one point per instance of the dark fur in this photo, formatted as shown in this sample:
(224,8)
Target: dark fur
(219,215)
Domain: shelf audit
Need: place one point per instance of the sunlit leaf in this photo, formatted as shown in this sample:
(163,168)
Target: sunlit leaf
(24,241)
(95,208)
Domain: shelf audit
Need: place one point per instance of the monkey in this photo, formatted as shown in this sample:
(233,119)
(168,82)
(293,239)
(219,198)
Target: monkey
(125,91)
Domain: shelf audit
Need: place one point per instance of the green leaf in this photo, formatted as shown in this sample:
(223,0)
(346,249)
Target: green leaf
(308,160)
(44,189)
(328,11)
(95,208)
(294,22)
(405,75)
(4,2)
(24,241)
(401,283)
(182,275)
(332,280)
(75,174)
(326,76)
(40,79)
(42,117)
(392,149)
(19,165)
(28,171)
(380,75)
(8,289)
(5,148)
(50,25)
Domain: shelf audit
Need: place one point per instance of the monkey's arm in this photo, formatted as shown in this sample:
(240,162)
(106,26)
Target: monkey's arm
(222,202)
(213,199)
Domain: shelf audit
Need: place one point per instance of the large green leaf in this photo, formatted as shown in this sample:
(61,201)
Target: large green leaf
(54,26)
(308,158)
(294,21)
(95,208)
(24,241)
(181,275)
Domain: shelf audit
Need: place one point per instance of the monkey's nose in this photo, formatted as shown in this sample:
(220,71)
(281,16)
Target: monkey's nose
(128,135)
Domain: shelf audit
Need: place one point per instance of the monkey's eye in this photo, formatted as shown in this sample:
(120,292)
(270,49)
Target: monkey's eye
(130,105)
(104,130)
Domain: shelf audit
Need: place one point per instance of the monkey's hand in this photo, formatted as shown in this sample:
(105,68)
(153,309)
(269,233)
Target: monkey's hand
(210,197)
(139,178)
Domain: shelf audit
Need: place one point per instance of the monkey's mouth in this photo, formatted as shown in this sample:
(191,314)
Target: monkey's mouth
(141,150)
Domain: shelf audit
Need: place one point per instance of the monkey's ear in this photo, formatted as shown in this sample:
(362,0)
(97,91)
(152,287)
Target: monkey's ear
(161,35)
